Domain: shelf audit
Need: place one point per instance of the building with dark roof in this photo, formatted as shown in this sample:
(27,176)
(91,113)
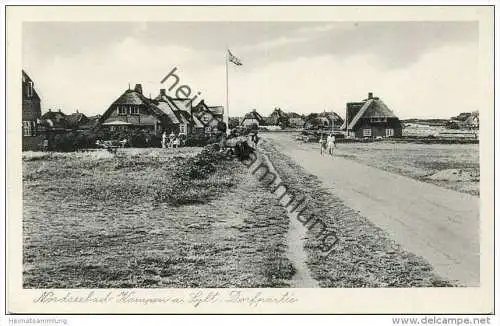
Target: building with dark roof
(278,117)
(133,110)
(56,121)
(295,120)
(209,116)
(371,118)
(31,114)
(252,118)
(328,120)
(77,119)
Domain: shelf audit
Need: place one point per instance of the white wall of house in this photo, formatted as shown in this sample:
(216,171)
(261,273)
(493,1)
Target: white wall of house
(249,122)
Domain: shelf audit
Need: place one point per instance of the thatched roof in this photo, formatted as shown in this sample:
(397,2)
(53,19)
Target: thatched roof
(216,110)
(56,119)
(170,110)
(116,123)
(253,115)
(197,122)
(294,115)
(325,118)
(184,104)
(130,97)
(77,118)
(134,97)
(332,116)
(372,108)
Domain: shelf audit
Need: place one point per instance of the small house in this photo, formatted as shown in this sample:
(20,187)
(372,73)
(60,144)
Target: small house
(210,116)
(278,118)
(252,118)
(77,119)
(371,118)
(295,120)
(472,121)
(325,120)
(56,121)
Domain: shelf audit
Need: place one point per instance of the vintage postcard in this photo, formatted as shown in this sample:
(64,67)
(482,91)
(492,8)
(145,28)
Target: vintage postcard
(333,160)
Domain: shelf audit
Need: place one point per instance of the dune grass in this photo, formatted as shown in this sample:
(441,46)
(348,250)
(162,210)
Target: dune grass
(98,220)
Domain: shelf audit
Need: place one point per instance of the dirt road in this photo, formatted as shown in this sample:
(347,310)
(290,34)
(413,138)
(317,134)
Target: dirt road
(438,224)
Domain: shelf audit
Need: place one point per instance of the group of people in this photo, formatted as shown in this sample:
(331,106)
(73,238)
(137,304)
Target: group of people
(171,141)
(327,144)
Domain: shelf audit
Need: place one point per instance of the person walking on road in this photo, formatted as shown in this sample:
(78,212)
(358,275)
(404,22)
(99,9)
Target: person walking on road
(322,145)
(171,139)
(330,143)
(164,140)
(176,143)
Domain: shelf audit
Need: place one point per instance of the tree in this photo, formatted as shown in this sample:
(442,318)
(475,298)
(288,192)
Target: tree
(233,123)
(221,126)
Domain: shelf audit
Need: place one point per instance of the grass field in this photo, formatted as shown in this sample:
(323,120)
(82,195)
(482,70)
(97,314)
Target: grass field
(452,166)
(95,220)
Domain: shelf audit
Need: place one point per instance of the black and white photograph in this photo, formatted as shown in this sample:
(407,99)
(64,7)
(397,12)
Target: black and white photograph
(233,155)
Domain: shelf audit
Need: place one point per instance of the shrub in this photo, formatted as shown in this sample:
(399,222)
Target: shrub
(71,141)
(202,165)
(137,140)
(193,179)
(197,140)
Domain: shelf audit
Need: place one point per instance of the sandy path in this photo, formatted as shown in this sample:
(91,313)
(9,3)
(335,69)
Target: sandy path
(296,238)
(296,253)
(438,224)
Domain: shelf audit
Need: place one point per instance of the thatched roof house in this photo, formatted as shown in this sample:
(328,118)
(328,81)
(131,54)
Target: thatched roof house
(56,121)
(132,110)
(323,120)
(371,118)
(277,117)
(252,118)
(209,116)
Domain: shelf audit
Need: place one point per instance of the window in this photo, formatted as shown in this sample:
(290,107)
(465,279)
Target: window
(182,128)
(367,132)
(205,118)
(122,110)
(29,89)
(389,132)
(29,128)
(134,110)
(376,120)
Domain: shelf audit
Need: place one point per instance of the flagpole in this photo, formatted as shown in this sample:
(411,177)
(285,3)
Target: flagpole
(227,92)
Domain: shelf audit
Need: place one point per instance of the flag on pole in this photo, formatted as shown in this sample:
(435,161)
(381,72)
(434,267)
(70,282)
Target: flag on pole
(232,58)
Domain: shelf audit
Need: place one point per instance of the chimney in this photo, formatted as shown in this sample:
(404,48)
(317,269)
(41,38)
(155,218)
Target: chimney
(163,92)
(77,111)
(138,88)
(370,95)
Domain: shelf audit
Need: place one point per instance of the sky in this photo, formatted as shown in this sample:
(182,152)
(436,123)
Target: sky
(419,69)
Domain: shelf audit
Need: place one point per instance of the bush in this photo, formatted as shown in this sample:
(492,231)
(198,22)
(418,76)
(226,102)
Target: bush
(202,165)
(137,140)
(198,140)
(193,182)
(71,141)
(154,141)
